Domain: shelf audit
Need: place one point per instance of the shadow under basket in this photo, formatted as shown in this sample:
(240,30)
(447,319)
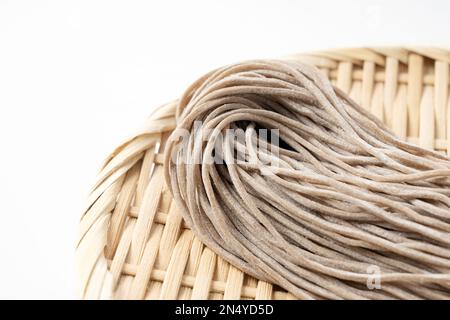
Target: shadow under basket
(133,242)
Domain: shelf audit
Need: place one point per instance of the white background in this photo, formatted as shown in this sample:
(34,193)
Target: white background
(77,77)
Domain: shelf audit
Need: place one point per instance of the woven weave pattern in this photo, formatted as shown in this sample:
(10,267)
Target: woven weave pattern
(133,242)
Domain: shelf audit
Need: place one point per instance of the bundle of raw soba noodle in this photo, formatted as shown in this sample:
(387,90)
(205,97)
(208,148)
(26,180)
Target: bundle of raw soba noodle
(336,207)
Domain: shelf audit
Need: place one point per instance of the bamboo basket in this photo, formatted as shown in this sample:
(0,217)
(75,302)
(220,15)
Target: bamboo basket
(133,243)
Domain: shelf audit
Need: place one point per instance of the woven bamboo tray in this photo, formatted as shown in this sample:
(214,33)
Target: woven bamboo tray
(133,243)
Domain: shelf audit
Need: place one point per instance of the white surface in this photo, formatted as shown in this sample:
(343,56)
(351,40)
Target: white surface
(76,77)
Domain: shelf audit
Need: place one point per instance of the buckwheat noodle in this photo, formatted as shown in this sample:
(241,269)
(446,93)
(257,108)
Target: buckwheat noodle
(338,209)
